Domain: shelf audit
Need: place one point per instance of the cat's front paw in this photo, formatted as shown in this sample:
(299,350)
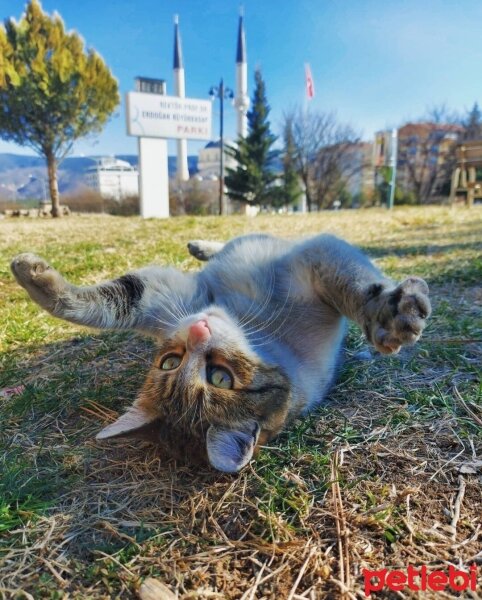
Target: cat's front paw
(398,316)
(41,281)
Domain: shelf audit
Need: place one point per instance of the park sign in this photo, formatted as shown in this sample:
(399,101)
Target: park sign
(168,117)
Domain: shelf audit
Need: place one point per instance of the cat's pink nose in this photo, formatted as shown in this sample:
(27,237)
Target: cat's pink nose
(198,333)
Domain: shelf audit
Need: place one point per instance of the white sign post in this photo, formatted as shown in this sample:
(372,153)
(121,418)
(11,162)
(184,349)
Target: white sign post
(154,118)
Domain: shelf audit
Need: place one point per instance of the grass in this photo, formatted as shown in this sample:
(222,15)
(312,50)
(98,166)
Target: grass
(387,473)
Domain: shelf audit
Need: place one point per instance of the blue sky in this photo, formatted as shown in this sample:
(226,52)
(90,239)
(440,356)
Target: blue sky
(376,63)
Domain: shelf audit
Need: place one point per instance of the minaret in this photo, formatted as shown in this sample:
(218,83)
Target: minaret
(241,101)
(180,91)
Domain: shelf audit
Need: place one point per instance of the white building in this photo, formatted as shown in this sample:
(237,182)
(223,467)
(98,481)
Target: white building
(113,178)
(209,160)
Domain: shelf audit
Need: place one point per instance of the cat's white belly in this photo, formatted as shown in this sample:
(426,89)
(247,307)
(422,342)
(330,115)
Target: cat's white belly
(316,375)
(310,358)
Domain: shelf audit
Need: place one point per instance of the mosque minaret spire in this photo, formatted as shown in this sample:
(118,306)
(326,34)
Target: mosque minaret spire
(241,101)
(180,91)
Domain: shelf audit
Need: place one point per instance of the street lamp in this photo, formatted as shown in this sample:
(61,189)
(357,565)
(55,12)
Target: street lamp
(223,93)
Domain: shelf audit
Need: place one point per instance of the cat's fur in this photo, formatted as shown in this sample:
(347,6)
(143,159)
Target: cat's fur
(270,311)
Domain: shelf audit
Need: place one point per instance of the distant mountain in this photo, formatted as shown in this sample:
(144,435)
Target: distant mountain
(23,177)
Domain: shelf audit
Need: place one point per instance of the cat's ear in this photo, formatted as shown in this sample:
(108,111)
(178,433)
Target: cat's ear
(137,422)
(229,450)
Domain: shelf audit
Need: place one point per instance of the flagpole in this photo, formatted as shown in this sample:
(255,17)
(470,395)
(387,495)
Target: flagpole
(309,95)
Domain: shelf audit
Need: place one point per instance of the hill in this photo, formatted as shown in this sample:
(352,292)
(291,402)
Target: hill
(24,177)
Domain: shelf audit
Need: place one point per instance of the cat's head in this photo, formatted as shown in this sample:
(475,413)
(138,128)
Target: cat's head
(208,395)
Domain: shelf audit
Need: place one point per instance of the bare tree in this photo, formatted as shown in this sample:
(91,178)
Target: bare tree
(323,149)
(426,152)
(472,124)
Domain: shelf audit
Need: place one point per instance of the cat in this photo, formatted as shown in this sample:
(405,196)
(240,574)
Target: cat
(247,344)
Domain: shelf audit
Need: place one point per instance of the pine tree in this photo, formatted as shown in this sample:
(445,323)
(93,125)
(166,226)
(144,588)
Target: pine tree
(253,178)
(291,190)
(473,124)
(52,91)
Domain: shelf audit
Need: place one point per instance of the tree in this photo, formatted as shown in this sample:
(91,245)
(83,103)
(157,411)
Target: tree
(472,124)
(52,91)
(253,178)
(426,153)
(290,190)
(323,153)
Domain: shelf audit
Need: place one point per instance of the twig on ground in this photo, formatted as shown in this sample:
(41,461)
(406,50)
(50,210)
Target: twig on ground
(457,506)
(249,594)
(341,527)
(439,470)
(300,574)
(466,407)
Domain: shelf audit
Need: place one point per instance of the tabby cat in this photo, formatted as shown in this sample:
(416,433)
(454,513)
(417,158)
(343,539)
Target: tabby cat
(246,344)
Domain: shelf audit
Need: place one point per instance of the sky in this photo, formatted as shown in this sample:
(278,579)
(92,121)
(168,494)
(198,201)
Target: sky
(376,63)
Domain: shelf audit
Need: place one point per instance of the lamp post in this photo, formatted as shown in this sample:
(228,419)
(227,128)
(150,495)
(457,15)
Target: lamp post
(223,93)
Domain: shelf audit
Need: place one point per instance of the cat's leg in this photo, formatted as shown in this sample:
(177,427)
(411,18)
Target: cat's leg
(390,314)
(204,250)
(144,299)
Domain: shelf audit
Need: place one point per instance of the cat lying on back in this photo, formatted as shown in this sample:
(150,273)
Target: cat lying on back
(245,345)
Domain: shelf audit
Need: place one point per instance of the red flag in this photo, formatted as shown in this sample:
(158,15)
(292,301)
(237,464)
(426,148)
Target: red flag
(310,86)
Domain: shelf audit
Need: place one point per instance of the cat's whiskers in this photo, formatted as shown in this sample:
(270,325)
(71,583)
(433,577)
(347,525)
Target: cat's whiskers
(166,324)
(172,310)
(271,334)
(260,308)
(264,304)
(181,307)
(264,325)
(258,314)
(175,312)
(273,316)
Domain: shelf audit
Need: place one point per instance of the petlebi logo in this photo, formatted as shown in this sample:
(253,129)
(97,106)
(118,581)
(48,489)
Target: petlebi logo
(419,579)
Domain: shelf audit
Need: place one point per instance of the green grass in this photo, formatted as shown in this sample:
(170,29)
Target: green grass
(392,437)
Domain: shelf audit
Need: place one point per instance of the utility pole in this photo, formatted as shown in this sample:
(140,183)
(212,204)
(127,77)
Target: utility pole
(393,165)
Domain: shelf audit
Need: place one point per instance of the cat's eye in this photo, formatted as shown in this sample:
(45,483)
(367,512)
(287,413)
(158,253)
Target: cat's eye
(171,362)
(220,378)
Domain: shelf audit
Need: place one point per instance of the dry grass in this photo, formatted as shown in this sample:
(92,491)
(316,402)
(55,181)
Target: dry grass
(388,473)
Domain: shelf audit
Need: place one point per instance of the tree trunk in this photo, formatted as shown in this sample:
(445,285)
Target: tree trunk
(309,201)
(53,184)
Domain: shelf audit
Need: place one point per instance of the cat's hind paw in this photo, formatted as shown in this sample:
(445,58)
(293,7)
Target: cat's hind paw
(28,267)
(398,316)
(42,282)
(204,250)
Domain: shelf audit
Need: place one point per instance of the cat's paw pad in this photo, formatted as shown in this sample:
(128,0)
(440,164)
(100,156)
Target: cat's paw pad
(402,316)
